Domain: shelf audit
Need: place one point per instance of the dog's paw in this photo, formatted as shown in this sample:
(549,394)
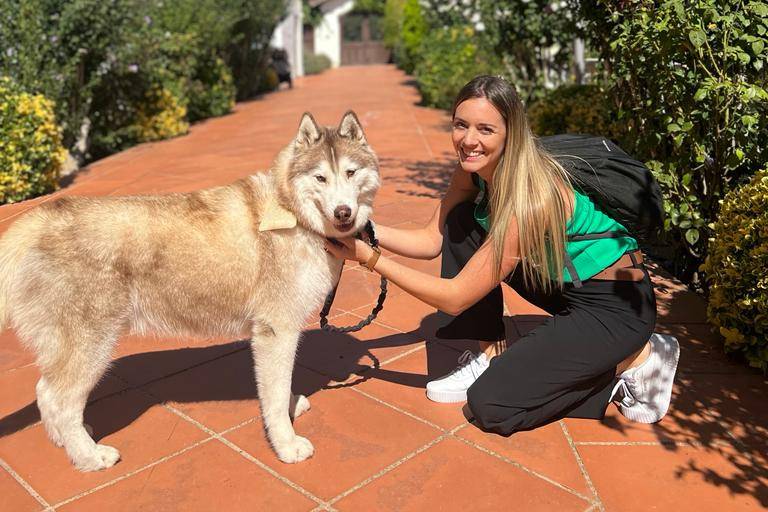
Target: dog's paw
(102,457)
(296,450)
(299,405)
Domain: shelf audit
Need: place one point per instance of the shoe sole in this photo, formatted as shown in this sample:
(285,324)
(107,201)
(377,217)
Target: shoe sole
(648,416)
(447,397)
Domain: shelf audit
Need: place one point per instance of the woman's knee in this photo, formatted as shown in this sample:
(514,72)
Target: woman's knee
(493,413)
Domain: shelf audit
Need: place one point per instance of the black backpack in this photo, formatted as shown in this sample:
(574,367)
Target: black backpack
(619,185)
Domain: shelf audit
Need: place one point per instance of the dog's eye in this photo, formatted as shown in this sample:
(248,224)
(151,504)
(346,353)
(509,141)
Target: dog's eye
(351,172)
(320,178)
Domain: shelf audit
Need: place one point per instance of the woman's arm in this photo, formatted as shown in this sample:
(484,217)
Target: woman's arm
(452,296)
(426,242)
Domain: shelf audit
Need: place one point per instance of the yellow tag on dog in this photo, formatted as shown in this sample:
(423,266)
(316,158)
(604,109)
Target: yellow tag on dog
(276,217)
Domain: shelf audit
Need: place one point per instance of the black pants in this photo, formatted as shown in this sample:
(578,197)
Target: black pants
(566,366)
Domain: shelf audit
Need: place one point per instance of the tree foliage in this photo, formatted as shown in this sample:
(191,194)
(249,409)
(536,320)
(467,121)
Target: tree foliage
(688,81)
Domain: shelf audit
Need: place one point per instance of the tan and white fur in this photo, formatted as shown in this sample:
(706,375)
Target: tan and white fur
(242,259)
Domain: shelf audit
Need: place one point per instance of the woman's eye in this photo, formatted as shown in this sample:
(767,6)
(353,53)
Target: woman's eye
(351,172)
(320,178)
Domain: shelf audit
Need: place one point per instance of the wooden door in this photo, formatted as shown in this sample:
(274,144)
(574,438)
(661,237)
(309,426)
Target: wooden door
(362,40)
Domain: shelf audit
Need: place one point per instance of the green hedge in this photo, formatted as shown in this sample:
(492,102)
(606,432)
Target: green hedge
(574,109)
(103,62)
(688,80)
(449,59)
(736,271)
(315,63)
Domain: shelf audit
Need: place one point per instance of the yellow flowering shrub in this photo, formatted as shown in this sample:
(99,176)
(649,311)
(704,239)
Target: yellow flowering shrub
(737,271)
(161,116)
(31,154)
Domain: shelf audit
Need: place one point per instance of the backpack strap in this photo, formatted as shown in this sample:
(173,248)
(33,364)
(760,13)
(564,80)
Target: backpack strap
(598,236)
(572,270)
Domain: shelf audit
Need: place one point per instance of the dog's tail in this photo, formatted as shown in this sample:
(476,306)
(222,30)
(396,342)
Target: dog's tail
(14,244)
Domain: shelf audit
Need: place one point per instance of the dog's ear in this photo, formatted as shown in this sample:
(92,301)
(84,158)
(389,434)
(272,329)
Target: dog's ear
(309,132)
(350,127)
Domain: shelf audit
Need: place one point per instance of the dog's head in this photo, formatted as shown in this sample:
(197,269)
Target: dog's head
(329,176)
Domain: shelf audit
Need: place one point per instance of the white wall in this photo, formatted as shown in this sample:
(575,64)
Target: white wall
(328,32)
(288,36)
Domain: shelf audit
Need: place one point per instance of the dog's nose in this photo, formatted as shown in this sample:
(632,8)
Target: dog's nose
(342,213)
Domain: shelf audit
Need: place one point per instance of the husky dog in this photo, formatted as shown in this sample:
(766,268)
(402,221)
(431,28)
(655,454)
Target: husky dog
(243,259)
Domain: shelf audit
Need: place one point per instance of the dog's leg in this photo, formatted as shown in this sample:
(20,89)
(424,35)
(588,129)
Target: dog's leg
(62,393)
(299,405)
(274,352)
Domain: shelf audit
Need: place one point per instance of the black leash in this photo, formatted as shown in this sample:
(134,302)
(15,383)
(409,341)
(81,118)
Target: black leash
(329,299)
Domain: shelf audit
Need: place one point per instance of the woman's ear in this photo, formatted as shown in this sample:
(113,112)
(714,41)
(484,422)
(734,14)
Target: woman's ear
(351,128)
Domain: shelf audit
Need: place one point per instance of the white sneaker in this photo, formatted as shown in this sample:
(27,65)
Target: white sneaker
(453,387)
(646,390)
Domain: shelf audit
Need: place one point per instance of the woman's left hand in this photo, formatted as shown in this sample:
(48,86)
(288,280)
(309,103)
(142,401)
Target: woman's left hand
(349,249)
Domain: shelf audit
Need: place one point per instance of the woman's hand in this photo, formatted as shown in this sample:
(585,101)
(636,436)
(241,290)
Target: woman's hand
(348,249)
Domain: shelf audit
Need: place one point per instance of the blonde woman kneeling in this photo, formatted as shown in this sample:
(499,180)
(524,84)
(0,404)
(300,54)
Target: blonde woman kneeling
(597,347)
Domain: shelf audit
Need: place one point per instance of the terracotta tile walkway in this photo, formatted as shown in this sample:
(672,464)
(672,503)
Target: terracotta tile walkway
(184,414)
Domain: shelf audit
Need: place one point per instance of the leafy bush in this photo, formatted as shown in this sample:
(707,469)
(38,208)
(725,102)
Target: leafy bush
(315,63)
(64,50)
(574,109)
(736,271)
(247,53)
(414,29)
(211,91)
(449,59)
(161,116)
(31,154)
(99,60)
(688,79)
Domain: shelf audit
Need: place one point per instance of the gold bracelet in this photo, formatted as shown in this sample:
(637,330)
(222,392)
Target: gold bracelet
(371,263)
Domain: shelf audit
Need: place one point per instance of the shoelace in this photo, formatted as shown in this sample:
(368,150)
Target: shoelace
(628,400)
(465,363)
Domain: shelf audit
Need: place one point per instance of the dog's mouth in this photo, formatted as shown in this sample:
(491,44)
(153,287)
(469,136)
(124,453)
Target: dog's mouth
(344,226)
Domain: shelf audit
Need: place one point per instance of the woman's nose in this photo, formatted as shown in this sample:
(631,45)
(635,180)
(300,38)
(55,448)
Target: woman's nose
(470,138)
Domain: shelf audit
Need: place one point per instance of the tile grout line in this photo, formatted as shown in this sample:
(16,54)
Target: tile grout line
(387,469)
(522,467)
(218,436)
(243,453)
(398,409)
(404,354)
(24,484)
(131,473)
(680,444)
(470,443)
(377,322)
(275,474)
(597,501)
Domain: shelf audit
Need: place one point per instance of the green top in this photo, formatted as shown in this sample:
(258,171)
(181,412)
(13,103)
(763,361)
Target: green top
(589,256)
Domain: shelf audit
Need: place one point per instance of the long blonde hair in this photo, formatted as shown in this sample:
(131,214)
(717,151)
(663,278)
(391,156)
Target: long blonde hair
(528,186)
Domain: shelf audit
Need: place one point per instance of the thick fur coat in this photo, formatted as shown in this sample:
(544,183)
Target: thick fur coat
(246,259)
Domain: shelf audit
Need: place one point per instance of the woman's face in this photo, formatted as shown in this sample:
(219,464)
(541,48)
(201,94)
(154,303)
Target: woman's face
(478,135)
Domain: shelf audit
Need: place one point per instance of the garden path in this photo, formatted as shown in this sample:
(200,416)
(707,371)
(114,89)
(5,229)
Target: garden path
(185,416)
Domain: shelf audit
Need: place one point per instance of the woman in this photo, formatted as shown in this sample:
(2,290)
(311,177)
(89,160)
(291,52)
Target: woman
(597,346)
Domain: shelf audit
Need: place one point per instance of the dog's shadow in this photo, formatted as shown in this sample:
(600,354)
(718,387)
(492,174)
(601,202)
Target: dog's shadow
(224,372)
